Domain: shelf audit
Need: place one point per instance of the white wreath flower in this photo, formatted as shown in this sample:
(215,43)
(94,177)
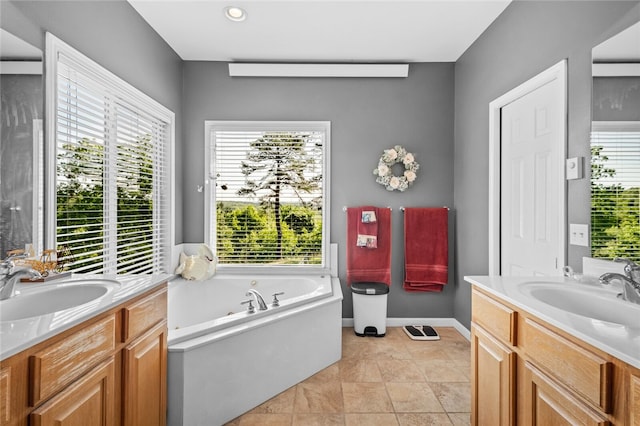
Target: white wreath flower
(392,156)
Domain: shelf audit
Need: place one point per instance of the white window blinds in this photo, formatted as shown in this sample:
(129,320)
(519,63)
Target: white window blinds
(615,190)
(112,172)
(268,192)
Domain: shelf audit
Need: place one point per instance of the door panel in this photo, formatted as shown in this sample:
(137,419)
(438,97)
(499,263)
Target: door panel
(531,155)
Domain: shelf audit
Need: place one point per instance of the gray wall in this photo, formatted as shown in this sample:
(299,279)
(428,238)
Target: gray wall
(616,98)
(112,34)
(529,37)
(367,116)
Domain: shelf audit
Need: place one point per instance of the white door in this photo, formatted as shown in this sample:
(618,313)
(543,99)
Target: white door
(532,182)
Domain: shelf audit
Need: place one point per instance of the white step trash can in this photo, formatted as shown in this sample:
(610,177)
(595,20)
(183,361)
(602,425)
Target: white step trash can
(370,308)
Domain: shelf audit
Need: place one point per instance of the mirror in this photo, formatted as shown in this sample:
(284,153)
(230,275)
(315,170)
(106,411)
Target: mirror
(21,143)
(615,147)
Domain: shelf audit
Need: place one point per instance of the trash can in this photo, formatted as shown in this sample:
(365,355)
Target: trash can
(370,308)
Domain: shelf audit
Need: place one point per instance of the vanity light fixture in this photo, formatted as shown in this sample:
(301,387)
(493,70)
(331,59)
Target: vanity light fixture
(243,69)
(234,13)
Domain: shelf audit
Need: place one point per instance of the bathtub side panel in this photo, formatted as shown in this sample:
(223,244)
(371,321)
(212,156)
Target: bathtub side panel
(231,376)
(175,388)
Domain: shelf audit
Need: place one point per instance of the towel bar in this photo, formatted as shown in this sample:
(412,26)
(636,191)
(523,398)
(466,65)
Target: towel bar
(444,207)
(344,208)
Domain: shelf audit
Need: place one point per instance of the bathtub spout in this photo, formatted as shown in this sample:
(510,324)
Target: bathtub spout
(262,306)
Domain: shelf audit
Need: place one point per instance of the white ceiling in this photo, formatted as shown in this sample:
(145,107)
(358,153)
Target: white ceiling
(321,30)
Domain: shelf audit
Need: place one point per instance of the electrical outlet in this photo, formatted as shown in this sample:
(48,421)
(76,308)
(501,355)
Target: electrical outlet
(579,234)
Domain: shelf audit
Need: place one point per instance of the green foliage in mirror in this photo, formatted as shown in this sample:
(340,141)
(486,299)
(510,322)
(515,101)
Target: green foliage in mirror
(615,206)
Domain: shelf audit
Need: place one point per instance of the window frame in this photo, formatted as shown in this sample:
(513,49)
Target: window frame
(55,48)
(210,214)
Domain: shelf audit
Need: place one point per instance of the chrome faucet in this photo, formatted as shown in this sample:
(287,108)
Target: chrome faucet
(262,306)
(630,281)
(9,275)
(631,269)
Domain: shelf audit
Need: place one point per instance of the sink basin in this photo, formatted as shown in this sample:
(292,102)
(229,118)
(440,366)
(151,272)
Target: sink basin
(49,299)
(591,302)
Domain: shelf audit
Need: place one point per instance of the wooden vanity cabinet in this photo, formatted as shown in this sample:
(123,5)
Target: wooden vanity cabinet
(108,371)
(634,397)
(528,372)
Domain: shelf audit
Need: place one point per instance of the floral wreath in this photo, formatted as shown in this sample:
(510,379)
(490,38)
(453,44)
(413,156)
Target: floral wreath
(392,156)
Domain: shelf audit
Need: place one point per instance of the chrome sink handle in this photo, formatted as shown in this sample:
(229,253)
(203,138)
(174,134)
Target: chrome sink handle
(16,256)
(276,302)
(5,267)
(631,268)
(9,262)
(250,309)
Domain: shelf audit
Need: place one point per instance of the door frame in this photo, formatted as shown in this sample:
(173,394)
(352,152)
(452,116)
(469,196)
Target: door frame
(556,72)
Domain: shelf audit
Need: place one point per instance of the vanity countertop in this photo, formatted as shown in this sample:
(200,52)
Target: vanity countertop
(621,341)
(18,335)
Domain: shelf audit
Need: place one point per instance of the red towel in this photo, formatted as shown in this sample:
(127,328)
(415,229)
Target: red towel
(366,263)
(426,249)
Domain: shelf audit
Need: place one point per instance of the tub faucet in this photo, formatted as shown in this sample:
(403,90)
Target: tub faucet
(630,288)
(9,275)
(262,306)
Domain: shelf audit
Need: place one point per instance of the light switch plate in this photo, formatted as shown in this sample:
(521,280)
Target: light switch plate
(574,168)
(579,234)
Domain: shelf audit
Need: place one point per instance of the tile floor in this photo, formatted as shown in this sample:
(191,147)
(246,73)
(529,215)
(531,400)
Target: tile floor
(378,382)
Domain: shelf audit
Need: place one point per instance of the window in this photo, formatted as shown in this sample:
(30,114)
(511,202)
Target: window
(615,190)
(267,194)
(111,148)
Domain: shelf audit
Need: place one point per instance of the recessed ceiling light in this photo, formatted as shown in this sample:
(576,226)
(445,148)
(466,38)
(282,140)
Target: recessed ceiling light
(234,13)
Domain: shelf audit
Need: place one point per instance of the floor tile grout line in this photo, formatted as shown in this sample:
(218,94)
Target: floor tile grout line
(375,353)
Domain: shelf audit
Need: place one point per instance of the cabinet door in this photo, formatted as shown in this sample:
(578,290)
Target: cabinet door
(88,402)
(14,408)
(145,379)
(551,404)
(634,399)
(6,395)
(493,372)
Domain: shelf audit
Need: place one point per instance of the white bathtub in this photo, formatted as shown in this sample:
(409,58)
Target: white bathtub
(224,361)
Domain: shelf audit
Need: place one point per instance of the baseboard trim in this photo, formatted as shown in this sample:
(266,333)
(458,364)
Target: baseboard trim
(436,322)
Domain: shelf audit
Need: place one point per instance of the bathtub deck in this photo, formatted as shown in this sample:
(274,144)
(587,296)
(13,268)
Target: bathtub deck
(379,381)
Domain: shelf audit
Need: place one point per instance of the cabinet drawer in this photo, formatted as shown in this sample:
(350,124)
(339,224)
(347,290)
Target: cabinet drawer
(64,361)
(144,314)
(582,371)
(552,405)
(495,317)
(89,401)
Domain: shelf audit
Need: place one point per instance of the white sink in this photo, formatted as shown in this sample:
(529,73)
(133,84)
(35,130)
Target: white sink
(52,298)
(592,302)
